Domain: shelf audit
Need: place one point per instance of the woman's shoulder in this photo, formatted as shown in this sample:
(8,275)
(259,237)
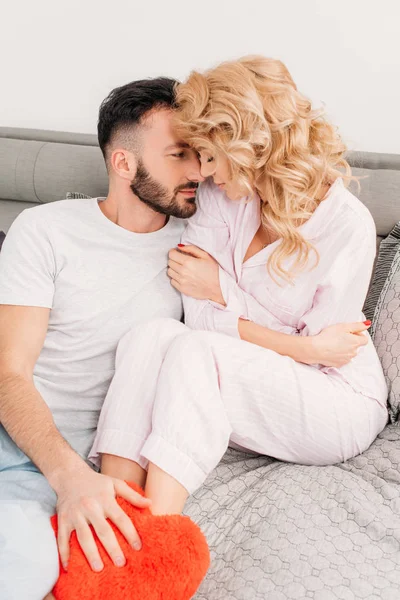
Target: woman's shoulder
(359,214)
(351,218)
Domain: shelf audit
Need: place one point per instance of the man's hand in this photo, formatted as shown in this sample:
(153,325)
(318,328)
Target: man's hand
(88,498)
(195,273)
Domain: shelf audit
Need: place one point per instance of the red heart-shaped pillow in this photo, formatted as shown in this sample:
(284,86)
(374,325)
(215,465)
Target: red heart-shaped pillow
(170,566)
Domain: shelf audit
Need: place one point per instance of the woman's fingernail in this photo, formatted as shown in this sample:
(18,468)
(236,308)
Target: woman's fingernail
(181,245)
(65,566)
(367,323)
(137,546)
(97,565)
(120,561)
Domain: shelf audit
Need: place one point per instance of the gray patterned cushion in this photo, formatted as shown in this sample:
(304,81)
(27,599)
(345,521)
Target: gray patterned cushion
(386,254)
(280,531)
(385,330)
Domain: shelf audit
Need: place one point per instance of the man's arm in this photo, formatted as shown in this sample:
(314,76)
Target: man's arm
(84,497)
(23,412)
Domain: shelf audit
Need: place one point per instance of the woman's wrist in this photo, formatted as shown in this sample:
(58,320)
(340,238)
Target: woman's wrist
(218,298)
(308,351)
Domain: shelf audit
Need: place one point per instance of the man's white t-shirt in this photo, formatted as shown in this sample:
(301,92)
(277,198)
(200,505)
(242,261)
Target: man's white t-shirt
(99,280)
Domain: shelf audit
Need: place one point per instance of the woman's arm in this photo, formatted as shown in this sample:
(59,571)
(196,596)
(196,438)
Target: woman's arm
(299,348)
(339,298)
(197,276)
(212,299)
(335,346)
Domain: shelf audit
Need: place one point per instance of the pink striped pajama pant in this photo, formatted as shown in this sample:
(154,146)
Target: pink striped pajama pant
(179,397)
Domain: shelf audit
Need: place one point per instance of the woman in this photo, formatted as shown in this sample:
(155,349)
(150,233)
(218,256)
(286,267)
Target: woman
(265,280)
(278,253)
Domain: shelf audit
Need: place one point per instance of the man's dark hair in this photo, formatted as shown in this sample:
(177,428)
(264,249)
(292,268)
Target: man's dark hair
(126,106)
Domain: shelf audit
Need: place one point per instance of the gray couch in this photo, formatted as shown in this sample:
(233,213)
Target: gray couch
(277,531)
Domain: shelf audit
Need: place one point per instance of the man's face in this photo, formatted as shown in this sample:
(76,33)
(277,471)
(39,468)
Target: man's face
(168,171)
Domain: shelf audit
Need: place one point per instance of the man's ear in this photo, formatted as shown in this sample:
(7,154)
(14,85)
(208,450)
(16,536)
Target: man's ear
(123,163)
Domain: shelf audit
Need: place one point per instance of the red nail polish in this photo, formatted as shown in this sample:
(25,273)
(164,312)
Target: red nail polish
(181,245)
(367,323)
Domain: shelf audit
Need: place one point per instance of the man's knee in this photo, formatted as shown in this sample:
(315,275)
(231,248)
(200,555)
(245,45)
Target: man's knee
(29,564)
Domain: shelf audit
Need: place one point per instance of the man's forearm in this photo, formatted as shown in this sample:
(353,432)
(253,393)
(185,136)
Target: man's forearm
(29,422)
(297,347)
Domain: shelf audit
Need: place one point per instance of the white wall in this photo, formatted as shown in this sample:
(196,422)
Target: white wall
(60,58)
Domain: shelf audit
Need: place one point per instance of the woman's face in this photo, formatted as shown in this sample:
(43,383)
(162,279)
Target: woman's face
(217,167)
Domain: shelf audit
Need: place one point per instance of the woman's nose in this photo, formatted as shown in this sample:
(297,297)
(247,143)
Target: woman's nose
(195,172)
(207,169)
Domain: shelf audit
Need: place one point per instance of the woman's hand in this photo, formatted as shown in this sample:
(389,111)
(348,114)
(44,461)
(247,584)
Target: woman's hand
(336,345)
(195,273)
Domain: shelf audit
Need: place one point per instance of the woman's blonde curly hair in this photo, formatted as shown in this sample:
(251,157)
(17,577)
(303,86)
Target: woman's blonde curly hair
(251,111)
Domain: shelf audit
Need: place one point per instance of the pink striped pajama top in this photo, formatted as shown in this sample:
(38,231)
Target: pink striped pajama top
(342,231)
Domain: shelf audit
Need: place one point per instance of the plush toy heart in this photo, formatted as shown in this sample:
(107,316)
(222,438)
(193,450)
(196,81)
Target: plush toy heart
(170,566)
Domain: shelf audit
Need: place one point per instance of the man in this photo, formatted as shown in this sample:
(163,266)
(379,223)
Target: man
(75,276)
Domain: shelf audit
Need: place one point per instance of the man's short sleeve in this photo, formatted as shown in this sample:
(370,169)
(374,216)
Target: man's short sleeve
(27,264)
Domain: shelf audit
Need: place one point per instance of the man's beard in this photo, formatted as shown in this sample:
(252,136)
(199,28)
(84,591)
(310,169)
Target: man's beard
(154,194)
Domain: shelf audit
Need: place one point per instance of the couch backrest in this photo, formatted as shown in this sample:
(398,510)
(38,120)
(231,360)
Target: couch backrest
(42,166)
(42,170)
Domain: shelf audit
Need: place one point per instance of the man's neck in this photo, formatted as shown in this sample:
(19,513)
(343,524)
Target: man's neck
(127,211)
